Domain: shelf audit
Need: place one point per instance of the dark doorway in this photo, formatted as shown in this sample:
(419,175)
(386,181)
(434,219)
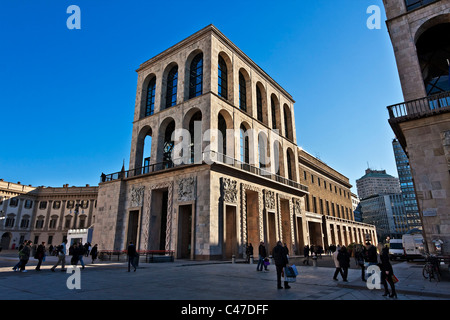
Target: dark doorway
(230,241)
(133,223)
(185,232)
(158,220)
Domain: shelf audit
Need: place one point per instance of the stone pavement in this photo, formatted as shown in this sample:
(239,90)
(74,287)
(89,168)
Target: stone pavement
(201,281)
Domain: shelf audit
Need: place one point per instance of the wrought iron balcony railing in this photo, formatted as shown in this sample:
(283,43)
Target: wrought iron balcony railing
(207,157)
(420,107)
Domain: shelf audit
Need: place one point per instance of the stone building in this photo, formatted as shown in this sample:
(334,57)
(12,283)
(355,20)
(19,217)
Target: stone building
(329,205)
(214,162)
(375,182)
(419,34)
(16,213)
(44,214)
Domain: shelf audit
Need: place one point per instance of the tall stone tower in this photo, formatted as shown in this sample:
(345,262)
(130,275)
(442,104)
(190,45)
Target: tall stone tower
(419,31)
(213,161)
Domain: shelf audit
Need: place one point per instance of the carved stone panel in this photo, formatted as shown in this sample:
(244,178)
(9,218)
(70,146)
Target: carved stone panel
(229,190)
(137,196)
(186,189)
(269,199)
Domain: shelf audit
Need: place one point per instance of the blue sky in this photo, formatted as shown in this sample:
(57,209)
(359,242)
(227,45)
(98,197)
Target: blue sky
(67,96)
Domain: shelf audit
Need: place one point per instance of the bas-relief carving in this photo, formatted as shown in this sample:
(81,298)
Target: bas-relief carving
(186,189)
(136,196)
(269,199)
(229,190)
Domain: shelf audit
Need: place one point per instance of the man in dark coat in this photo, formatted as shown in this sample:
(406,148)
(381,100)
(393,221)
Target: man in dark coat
(344,262)
(262,255)
(40,254)
(281,261)
(132,253)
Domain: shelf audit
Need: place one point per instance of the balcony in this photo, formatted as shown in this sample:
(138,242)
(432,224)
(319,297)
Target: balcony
(209,157)
(431,105)
(417,109)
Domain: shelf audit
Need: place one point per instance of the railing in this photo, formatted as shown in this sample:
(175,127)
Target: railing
(224,159)
(420,107)
(138,171)
(209,157)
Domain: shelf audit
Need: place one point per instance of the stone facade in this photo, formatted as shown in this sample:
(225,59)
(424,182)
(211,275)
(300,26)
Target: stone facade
(223,192)
(44,214)
(329,205)
(424,123)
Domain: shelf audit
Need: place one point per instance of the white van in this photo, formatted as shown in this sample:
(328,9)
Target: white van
(413,245)
(396,249)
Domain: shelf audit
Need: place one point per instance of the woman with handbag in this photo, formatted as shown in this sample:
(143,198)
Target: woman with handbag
(387,273)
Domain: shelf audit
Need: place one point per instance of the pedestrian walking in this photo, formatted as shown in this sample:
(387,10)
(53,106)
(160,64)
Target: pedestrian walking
(40,255)
(87,248)
(306,255)
(338,269)
(359,259)
(81,250)
(74,252)
(132,253)
(344,262)
(25,255)
(94,252)
(262,254)
(17,266)
(281,261)
(249,252)
(61,254)
(387,273)
(371,256)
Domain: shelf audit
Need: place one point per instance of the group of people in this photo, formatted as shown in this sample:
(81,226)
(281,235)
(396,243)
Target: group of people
(366,256)
(280,255)
(77,251)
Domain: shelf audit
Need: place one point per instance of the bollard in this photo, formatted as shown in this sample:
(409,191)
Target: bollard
(233,259)
(251,259)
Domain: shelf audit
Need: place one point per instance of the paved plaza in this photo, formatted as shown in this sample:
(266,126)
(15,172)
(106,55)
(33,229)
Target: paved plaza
(193,280)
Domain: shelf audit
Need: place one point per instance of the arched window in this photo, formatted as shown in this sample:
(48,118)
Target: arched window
(274,113)
(259,106)
(196,76)
(288,132)
(263,151)
(433,51)
(197,117)
(222,79)
(168,145)
(242,92)
(289,165)
(171,90)
(150,106)
(277,157)
(245,151)
(222,126)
